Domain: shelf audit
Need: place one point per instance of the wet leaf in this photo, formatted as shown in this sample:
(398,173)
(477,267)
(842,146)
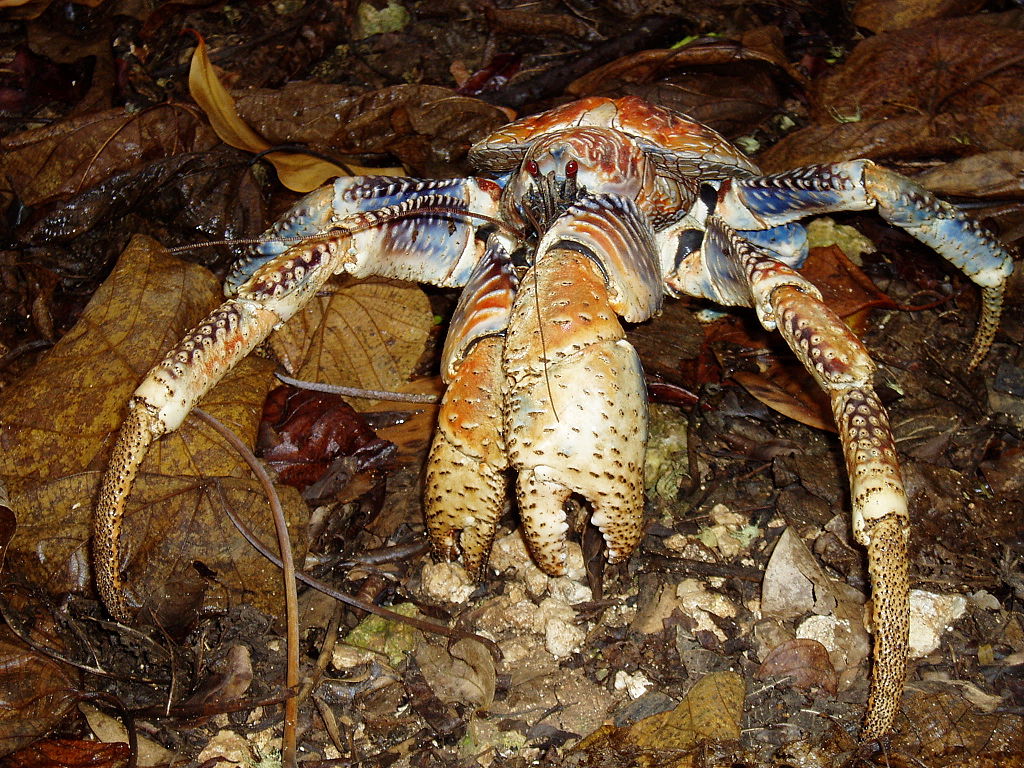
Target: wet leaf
(804,662)
(303,433)
(368,334)
(711,711)
(62,159)
(175,531)
(886,15)
(299,172)
(992,174)
(936,721)
(70,753)
(967,95)
(796,397)
(428,128)
(35,695)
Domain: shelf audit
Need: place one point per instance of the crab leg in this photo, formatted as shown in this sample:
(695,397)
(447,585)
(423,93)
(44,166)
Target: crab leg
(857,185)
(734,271)
(400,228)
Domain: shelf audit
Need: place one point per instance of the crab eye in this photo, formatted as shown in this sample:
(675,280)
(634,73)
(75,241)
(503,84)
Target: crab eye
(532,168)
(571,168)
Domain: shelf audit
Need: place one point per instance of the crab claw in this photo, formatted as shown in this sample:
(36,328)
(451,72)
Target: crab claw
(575,400)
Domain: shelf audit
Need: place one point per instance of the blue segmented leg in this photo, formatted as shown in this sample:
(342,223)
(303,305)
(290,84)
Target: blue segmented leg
(857,185)
(575,399)
(466,485)
(729,269)
(401,228)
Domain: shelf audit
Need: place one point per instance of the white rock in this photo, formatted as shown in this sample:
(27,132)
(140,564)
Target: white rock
(446,582)
(635,685)
(562,638)
(569,590)
(930,615)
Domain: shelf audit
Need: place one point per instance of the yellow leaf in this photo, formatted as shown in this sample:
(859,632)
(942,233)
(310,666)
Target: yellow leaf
(298,172)
(368,334)
(57,425)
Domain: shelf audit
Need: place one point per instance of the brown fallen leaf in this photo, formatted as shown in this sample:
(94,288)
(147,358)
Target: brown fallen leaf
(886,15)
(991,174)
(966,95)
(298,172)
(368,334)
(58,424)
(464,673)
(805,662)
(711,711)
(71,753)
(427,127)
(59,160)
(35,694)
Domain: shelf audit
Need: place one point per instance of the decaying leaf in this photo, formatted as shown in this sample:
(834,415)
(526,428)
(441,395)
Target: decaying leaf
(368,334)
(966,95)
(795,584)
(35,694)
(886,15)
(299,172)
(427,127)
(60,420)
(62,159)
(464,673)
(804,662)
(711,711)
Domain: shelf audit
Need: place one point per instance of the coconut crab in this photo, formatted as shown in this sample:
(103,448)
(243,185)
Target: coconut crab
(587,213)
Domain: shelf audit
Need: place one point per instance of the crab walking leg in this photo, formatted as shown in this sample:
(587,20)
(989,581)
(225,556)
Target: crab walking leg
(189,371)
(732,270)
(840,364)
(857,185)
(402,228)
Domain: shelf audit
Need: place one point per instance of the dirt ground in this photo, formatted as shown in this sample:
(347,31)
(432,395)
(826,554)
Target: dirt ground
(734,636)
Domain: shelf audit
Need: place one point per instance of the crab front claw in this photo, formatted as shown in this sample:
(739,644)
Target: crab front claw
(575,401)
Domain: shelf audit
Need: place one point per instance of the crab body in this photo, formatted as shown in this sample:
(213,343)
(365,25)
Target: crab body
(603,208)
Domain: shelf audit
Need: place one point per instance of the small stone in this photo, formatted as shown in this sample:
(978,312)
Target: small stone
(985,600)
(931,615)
(446,582)
(562,638)
(635,685)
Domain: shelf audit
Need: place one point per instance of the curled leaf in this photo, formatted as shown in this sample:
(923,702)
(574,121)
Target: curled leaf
(301,173)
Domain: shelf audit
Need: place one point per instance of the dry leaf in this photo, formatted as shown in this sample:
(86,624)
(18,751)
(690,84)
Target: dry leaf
(176,537)
(805,662)
(299,172)
(368,334)
(795,584)
(711,711)
(35,695)
(797,398)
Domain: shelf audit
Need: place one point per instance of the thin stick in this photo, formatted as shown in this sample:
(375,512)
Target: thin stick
(291,704)
(368,394)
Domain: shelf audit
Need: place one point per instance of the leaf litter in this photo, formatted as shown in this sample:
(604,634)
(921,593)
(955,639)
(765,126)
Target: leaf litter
(573,655)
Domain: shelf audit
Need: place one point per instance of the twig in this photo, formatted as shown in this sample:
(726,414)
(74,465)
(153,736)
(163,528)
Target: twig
(291,599)
(368,394)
